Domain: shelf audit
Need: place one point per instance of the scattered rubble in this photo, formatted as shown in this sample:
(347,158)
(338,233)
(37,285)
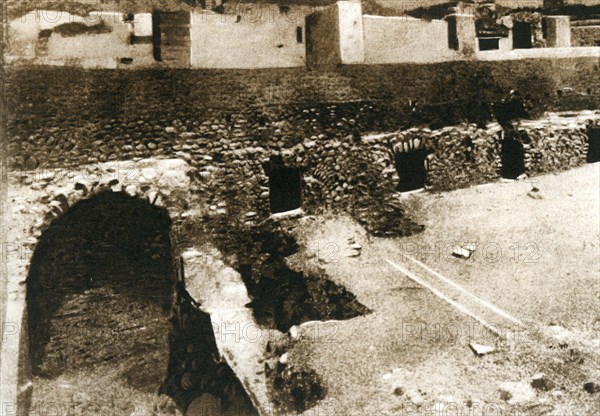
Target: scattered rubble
(294,332)
(164,406)
(354,249)
(284,359)
(591,387)
(461,252)
(480,349)
(206,404)
(398,391)
(535,193)
(296,390)
(541,382)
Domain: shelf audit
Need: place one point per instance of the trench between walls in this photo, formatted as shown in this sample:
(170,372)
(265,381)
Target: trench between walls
(282,296)
(199,377)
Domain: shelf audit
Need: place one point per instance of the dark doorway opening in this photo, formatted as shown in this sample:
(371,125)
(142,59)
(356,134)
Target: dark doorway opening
(522,35)
(452,33)
(411,169)
(489,44)
(99,293)
(593,153)
(513,158)
(285,186)
(156,36)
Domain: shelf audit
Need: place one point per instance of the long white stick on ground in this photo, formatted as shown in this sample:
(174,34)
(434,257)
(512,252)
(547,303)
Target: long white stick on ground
(445,298)
(466,292)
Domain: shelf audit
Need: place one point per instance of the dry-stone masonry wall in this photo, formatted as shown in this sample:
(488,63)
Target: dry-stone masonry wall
(465,155)
(228,125)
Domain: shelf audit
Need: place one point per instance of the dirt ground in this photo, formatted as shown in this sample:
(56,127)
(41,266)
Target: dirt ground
(536,258)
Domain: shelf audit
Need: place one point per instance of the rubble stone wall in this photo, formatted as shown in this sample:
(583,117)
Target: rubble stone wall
(459,156)
(585,35)
(465,155)
(228,124)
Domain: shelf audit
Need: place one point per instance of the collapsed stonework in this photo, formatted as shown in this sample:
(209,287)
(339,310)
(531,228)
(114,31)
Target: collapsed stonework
(354,174)
(96,252)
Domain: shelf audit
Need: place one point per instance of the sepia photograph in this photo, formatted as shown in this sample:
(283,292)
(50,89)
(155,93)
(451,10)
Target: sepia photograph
(300,208)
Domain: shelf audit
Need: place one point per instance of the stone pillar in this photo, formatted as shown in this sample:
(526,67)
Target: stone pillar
(334,35)
(351,34)
(506,44)
(461,32)
(558,31)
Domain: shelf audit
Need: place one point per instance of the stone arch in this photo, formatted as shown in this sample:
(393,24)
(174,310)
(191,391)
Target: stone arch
(159,187)
(99,295)
(110,240)
(410,161)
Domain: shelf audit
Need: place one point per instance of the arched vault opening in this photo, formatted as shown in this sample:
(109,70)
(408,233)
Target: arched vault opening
(99,296)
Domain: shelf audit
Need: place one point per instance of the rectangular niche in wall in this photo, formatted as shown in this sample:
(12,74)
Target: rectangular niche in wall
(411,169)
(489,44)
(522,35)
(593,153)
(285,186)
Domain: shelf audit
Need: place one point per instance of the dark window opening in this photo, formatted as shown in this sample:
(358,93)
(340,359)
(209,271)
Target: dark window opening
(489,44)
(285,187)
(411,169)
(522,35)
(299,34)
(593,153)
(513,158)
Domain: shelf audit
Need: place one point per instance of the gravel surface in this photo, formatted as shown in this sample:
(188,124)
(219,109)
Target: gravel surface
(411,353)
